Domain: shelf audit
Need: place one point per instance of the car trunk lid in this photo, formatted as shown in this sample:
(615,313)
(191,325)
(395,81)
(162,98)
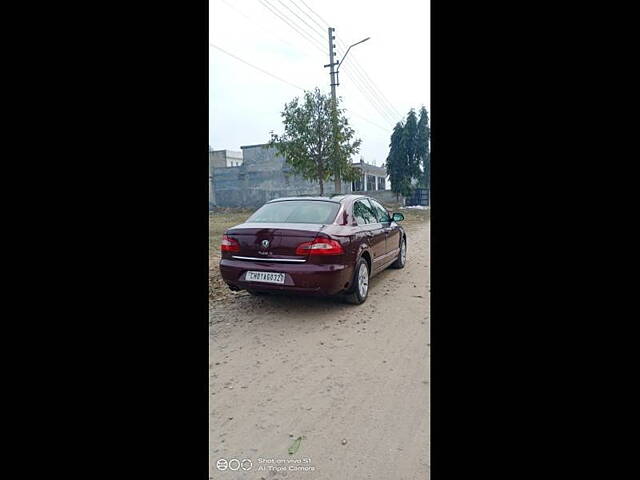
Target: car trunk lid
(273,241)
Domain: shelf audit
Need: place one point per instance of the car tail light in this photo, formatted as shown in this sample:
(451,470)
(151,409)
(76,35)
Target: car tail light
(229,244)
(320,246)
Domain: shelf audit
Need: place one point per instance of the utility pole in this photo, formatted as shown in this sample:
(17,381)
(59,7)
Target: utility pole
(334,116)
(332,64)
(335,82)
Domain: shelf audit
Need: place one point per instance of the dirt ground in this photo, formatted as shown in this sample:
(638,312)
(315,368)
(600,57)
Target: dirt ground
(352,381)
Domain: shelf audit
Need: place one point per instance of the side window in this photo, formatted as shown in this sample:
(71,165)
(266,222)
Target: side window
(381,213)
(363,214)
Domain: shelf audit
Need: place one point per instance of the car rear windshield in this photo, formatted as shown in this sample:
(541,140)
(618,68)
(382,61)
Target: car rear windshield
(296,211)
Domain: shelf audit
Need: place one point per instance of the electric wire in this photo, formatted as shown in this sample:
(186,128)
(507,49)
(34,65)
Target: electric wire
(256,67)
(285,19)
(289,83)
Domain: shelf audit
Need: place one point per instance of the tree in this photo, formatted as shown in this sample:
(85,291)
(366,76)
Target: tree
(409,153)
(344,146)
(423,147)
(311,144)
(410,145)
(396,163)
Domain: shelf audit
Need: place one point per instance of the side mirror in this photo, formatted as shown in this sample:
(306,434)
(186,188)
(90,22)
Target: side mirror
(397,217)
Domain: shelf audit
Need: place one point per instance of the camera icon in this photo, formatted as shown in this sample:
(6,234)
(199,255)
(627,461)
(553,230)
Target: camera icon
(234,464)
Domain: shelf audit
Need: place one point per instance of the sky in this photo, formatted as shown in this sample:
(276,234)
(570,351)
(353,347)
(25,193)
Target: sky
(380,80)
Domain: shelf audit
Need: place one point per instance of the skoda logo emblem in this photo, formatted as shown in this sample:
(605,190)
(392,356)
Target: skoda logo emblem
(265,243)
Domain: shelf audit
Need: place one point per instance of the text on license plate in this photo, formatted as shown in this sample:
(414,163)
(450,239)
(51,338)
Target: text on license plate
(268,277)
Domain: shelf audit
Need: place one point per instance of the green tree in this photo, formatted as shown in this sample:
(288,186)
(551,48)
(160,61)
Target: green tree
(410,143)
(424,148)
(409,157)
(315,147)
(397,164)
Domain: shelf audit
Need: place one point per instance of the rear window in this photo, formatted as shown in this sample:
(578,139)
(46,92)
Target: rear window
(296,211)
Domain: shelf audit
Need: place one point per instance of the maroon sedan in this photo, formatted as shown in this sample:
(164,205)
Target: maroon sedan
(313,245)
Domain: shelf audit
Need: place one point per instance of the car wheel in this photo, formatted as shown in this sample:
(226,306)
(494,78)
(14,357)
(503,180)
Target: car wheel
(402,256)
(360,288)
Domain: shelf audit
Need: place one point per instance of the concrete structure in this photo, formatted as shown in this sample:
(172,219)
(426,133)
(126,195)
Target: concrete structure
(225,158)
(386,197)
(263,175)
(373,178)
(221,159)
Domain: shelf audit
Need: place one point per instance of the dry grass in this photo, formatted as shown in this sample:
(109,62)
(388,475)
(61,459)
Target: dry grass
(411,217)
(219,221)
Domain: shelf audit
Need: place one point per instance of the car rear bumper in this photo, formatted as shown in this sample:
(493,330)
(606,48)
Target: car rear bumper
(303,278)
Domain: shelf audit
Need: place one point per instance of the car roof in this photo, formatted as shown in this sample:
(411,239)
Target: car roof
(347,196)
(335,198)
(317,199)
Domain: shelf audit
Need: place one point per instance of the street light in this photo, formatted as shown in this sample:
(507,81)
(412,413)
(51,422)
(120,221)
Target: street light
(333,89)
(345,55)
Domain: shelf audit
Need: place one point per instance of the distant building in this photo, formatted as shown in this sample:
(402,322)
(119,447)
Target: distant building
(264,175)
(372,178)
(221,159)
(225,158)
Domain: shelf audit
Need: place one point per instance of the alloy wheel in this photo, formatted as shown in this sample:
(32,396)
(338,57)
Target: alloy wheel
(363,280)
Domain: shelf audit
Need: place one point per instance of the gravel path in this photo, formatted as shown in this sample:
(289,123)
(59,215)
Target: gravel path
(352,381)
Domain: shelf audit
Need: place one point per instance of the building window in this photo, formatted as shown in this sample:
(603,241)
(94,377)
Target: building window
(381,183)
(357,186)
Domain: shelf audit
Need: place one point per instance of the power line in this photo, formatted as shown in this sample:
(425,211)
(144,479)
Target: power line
(383,106)
(270,32)
(367,96)
(368,90)
(277,13)
(299,17)
(369,121)
(368,80)
(285,19)
(315,13)
(322,27)
(363,72)
(257,68)
(364,77)
(288,83)
(376,88)
(369,93)
(292,23)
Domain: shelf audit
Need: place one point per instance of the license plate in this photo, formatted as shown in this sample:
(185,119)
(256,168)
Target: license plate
(267,277)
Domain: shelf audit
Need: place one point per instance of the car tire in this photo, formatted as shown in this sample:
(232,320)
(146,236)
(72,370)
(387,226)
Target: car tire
(402,256)
(360,288)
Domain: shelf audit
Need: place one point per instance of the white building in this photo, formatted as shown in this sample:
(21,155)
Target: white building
(225,158)
(373,178)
